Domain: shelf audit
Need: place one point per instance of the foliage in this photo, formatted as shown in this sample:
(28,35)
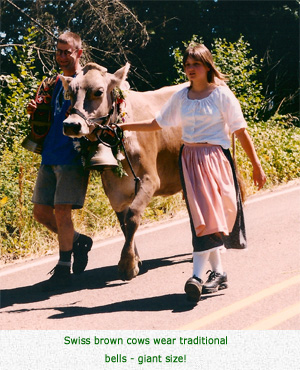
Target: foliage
(109,30)
(16,90)
(277,143)
(144,33)
(271,27)
(233,59)
(20,235)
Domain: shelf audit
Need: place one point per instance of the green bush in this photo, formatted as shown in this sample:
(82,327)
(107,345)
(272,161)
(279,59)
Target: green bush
(20,235)
(243,70)
(277,142)
(16,90)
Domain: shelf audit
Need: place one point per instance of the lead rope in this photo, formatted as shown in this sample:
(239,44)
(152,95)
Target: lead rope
(136,178)
(120,141)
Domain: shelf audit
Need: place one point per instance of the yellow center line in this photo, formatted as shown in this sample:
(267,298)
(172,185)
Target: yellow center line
(217,315)
(277,318)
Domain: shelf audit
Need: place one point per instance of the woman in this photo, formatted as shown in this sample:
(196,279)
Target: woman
(208,112)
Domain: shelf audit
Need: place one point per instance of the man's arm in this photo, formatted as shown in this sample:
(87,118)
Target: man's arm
(31,107)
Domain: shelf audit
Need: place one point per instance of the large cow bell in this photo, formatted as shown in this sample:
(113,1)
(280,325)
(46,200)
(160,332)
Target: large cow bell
(32,145)
(34,141)
(100,158)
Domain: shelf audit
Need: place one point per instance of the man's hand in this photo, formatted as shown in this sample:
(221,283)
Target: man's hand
(31,108)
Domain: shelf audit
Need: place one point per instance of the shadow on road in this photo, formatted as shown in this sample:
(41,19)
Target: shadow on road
(171,302)
(175,303)
(104,277)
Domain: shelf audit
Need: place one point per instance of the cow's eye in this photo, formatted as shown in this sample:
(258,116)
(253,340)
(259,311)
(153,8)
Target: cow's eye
(98,93)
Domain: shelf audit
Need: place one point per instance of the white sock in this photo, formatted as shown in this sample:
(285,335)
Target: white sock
(199,263)
(215,261)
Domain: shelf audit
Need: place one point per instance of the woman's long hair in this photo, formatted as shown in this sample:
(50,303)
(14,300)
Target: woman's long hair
(200,53)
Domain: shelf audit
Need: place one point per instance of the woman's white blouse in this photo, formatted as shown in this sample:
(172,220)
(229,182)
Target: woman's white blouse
(208,120)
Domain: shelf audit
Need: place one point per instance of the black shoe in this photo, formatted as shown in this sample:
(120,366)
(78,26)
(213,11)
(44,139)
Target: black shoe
(193,289)
(81,248)
(215,282)
(60,279)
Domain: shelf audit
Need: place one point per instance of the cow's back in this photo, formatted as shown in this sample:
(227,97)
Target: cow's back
(145,105)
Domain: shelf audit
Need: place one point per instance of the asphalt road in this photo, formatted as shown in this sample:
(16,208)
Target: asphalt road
(263,281)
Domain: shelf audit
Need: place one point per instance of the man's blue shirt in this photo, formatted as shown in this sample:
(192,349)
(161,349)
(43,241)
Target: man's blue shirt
(58,149)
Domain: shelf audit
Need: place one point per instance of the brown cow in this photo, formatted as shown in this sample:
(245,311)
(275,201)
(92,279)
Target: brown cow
(153,155)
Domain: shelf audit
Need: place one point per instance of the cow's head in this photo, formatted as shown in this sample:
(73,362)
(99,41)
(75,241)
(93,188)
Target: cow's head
(91,97)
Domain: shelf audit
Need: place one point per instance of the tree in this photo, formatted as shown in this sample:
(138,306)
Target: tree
(145,33)
(110,31)
(271,27)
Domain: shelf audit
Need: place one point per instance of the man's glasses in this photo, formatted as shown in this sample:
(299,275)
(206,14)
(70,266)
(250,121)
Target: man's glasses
(66,53)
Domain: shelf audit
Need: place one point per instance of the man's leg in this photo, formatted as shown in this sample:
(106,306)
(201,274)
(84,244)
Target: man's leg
(53,187)
(65,228)
(45,215)
(60,222)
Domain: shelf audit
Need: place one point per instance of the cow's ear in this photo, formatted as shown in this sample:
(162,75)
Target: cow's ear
(120,75)
(66,81)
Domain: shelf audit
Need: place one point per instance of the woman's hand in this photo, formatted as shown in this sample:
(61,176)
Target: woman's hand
(259,176)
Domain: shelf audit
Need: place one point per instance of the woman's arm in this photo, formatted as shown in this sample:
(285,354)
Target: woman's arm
(149,125)
(259,176)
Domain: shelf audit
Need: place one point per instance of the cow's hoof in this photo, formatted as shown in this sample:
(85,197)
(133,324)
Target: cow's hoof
(128,273)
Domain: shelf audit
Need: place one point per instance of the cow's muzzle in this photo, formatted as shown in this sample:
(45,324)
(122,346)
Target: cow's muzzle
(72,128)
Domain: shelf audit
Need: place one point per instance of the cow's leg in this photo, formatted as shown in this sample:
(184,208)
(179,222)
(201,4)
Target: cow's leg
(122,217)
(130,259)
(129,263)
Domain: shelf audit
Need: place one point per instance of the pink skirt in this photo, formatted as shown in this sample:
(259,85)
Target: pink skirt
(210,188)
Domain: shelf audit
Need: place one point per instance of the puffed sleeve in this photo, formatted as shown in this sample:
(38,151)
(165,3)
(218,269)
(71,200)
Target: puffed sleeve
(170,115)
(231,110)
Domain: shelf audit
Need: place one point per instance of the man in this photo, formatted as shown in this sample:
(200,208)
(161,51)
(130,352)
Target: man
(62,181)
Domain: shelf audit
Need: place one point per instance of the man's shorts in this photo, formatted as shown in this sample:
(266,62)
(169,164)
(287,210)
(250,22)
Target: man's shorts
(61,184)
